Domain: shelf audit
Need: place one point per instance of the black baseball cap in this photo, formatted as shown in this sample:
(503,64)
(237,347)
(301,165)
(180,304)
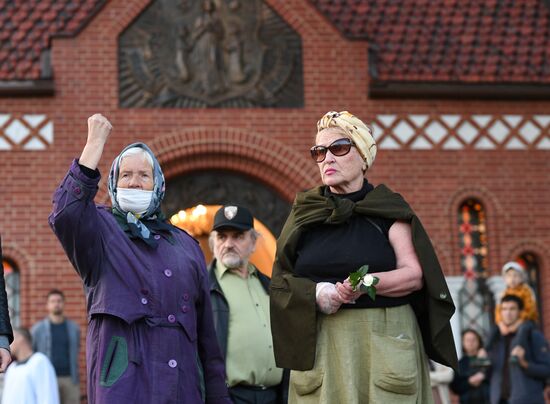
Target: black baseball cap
(233,216)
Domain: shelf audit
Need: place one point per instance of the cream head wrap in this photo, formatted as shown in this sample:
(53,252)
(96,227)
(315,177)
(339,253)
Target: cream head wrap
(356,129)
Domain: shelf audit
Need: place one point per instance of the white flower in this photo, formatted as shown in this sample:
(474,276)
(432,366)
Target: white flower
(368,280)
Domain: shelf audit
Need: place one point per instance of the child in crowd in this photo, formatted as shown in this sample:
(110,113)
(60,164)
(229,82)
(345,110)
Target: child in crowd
(516,284)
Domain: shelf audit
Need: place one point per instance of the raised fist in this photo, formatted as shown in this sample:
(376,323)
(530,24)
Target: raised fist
(99,128)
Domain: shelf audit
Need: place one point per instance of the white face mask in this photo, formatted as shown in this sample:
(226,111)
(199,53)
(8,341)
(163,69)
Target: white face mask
(133,200)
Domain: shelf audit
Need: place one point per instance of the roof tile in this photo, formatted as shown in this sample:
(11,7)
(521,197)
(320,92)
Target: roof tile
(27,27)
(449,40)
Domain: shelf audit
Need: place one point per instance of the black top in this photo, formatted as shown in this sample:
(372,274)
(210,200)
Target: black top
(329,252)
(505,387)
(470,394)
(60,349)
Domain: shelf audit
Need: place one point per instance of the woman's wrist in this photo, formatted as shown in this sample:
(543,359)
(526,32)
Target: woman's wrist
(91,154)
(320,286)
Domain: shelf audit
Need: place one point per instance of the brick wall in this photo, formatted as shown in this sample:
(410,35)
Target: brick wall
(270,145)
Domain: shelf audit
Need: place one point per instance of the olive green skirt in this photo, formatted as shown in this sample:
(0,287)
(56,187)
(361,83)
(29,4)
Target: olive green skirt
(366,356)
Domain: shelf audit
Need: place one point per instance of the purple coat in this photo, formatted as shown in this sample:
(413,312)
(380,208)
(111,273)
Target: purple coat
(150,336)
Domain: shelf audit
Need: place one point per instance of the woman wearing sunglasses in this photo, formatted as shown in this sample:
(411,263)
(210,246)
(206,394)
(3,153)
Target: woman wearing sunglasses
(342,345)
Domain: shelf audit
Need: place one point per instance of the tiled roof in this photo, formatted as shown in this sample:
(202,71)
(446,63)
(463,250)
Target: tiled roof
(27,26)
(472,41)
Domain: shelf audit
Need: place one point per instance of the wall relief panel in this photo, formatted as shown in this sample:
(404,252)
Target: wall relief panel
(210,53)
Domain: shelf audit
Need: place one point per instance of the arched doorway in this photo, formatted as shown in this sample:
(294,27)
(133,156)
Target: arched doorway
(213,188)
(198,222)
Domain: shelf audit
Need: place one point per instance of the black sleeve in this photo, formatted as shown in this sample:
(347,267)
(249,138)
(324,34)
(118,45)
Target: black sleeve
(460,384)
(382,224)
(88,172)
(5,325)
(386,224)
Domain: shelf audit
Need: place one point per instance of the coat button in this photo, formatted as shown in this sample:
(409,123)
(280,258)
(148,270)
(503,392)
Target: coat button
(184,309)
(168,273)
(76,190)
(443,295)
(156,237)
(185,297)
(172,318)
(144,300)
(172,363)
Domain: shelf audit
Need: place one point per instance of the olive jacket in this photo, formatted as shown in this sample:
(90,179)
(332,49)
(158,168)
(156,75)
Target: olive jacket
(292,298)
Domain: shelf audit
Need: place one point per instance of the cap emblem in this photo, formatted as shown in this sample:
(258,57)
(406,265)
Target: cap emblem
(230,212)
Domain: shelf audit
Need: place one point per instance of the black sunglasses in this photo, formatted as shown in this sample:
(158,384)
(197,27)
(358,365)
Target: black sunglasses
(339,147)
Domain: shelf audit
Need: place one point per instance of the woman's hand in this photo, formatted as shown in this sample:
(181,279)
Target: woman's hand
(347,294)
(5,359)
(482,353)
(99,129)
(327,297)
(476,379)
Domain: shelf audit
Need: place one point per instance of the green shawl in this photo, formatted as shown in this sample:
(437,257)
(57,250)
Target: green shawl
(292,303)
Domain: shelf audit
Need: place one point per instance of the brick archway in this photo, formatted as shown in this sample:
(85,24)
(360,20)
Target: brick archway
(25,265)
(268,160)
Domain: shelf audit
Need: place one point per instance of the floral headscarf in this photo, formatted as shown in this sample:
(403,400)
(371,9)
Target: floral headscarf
(356,129)
(152,219)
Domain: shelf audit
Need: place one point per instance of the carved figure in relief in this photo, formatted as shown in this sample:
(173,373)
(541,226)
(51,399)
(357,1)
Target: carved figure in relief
(207,37)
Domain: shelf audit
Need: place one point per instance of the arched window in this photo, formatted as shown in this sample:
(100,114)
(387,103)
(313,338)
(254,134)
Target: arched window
(472,238)
(530,262)
(11,276)
(475,299)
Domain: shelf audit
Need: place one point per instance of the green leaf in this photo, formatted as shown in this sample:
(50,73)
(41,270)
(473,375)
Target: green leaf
(371,292)
(375,281)
(363,270)
(354,279)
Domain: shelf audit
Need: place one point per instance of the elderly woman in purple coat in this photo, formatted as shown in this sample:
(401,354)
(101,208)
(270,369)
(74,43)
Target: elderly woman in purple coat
(151,337)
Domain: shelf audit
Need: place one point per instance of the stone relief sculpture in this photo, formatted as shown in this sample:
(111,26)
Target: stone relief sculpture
(210,53)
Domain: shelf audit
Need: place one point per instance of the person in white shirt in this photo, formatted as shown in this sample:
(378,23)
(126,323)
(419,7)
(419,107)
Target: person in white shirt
(30,379)
(440,378)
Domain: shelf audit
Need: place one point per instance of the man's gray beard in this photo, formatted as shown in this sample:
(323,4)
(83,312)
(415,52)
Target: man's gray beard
(232,261)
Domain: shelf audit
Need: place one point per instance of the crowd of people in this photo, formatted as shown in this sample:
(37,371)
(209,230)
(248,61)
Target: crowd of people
(164,327)
(513,366)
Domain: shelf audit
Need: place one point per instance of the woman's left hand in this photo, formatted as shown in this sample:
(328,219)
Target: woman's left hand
(346,292)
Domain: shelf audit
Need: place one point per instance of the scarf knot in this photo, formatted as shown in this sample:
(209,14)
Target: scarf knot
(342,209)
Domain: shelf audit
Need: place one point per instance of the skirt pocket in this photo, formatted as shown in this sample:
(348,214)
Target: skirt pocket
(394,366)
(306,382)
(115,362)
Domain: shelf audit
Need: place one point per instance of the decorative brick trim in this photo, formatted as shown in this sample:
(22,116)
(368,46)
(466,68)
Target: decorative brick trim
(27,132)
(462,131)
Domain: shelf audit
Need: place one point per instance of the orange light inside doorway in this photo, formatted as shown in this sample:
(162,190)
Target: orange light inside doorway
(198,221)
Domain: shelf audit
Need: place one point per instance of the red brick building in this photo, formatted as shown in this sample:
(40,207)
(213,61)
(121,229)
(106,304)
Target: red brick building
(458,93)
